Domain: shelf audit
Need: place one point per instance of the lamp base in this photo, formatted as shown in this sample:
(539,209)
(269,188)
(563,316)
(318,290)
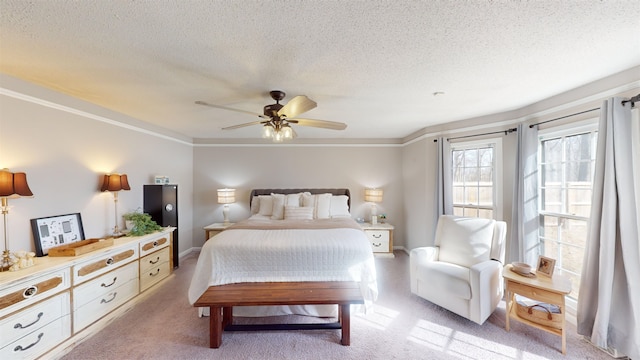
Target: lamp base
(6,261)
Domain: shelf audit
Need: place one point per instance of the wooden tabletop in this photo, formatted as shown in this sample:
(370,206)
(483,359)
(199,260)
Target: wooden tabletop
(557,283)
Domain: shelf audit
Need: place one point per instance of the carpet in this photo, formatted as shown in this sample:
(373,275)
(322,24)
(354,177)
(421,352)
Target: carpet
(403,326)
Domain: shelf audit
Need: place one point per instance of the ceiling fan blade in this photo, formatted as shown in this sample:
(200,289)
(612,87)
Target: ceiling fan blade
(319,123)
(296,106)
(231,109)
(243,125)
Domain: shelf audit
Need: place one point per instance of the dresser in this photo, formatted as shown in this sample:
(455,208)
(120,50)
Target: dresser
(46,308)
(381,238)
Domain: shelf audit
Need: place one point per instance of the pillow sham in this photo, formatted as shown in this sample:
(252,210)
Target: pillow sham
(277,212)
(266,205)
(323,206)
(255,205)
(339,206)
(293,199)
(298,212)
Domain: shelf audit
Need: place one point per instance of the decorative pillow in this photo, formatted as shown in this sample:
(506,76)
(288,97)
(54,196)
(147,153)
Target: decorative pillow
(266,205)
(308,200)
(293,199)
(323,206)
(277,212)
(464,241)
(298,212)
(339,206)
(255,205)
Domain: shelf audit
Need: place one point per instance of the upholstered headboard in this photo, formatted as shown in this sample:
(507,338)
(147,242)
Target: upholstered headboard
(256,192)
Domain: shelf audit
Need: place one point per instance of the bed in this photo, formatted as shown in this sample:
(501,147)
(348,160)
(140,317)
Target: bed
(292,235)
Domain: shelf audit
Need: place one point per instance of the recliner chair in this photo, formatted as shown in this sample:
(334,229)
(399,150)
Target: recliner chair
(462,272)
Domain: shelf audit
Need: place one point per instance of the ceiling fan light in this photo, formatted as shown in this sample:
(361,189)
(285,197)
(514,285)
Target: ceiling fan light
(287,132)
(267,131)
(278,136)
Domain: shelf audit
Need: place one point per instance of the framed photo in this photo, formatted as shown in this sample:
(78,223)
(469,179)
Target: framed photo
(56,230)
(546,266)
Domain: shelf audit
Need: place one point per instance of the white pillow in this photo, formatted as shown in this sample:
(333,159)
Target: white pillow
(266,205)
(308,200)
(255,205)
(277,212)
(339,206)
(293,199)
(323,206)
(298,212)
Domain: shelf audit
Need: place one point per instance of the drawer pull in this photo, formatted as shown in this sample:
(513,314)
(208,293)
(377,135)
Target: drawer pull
(156,243)
(109,261)
(103,301)
(154,262)
(113,282)
(30,291)
(20,326)
(157,272)
(377,236)
(20,348)
(376,245)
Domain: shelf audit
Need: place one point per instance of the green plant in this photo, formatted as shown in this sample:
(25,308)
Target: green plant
(142,223)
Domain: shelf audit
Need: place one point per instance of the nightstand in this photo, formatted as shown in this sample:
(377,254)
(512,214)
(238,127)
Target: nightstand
(381,238)
(214,229)
(550,290)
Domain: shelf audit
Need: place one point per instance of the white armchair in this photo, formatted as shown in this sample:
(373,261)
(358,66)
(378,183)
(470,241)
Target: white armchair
(462,272)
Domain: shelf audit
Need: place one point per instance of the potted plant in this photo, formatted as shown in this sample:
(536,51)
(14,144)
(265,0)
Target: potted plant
(139,223)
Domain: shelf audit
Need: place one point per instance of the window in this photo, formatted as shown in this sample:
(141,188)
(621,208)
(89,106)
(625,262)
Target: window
(567,161)
(475,175)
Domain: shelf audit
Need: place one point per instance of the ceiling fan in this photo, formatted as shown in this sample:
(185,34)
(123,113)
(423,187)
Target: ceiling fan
(277,118)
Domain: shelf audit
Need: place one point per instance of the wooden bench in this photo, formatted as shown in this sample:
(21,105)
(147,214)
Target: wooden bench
(222,298)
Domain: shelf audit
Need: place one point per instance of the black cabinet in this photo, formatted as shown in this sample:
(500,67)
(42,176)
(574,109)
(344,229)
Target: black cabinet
(161,202)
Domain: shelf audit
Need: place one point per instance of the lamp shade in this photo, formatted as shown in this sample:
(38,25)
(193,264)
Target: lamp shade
(13,184)
(373,195)
(226,196)
(115,182)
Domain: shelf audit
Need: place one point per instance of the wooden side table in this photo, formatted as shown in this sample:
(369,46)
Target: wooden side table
(214,229)
(551,290)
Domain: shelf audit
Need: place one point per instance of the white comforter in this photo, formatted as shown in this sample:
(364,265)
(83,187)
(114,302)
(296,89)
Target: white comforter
(249,255)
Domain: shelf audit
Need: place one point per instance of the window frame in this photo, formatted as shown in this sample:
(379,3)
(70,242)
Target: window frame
(588,126)
(497,160)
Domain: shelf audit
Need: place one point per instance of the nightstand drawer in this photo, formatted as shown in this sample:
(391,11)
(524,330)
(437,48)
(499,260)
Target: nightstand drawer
(379,240)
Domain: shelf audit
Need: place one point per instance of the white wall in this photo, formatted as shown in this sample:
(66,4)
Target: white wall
(297,166)
(65,150)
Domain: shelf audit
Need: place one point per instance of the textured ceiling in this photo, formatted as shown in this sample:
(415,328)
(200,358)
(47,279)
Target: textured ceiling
(371,64)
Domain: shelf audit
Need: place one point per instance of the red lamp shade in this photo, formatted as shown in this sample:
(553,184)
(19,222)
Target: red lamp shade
(13,184)
(115,182)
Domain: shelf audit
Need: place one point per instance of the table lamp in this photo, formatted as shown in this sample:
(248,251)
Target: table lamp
(373,196)
(114,183)
(226,197)
(12,185)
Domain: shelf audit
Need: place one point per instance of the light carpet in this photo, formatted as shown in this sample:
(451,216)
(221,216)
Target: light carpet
(403,326)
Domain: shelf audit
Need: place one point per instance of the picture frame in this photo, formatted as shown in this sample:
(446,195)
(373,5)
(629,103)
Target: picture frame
(52,231)
(546,266)
(161,180)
